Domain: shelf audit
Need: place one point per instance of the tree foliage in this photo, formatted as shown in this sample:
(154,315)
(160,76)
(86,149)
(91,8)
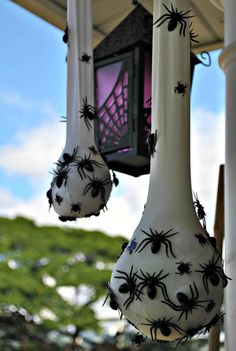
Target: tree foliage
(34,263)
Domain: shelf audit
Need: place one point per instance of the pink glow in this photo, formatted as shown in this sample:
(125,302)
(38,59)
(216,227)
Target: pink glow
(106,78)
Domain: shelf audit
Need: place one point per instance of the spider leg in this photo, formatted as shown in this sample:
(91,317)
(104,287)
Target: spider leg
(161,20)
(181,314)
(182,27)
(205,283)
(153,329)
(87,122)
(139,289)
(124,273)
(168,245)
(88,187)
(163,290)
(147,242)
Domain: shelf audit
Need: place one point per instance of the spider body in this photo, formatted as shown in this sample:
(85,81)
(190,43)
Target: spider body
(184,268)
(152,282)
(49,196)
(88,112)
(151,142)
(58,199)
(201,239)
(61,175)
(164,325)
(67,158)
(180,88)
(129,285)
(86,164)
(85,57)
(187,304)
(174,17)
(138,339)
(211,272)
(76,207)
(157,240)
(97,186)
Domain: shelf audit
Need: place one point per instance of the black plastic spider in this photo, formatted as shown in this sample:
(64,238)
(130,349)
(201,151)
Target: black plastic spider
(187,305)
(151,142)
(85,163)
(211,272)
(75,207)
(156,239)
(97,186)
(65,35)
(85,57)
(67,158)
(215,320)
(88,112)
(180,88)
(184,268)
(61,175)
(58,199)
(202,239)
(129,286)
(138,339)
(164,325)
(115,180)
(49,196)
(174,17)
(199,210)
(151,282)
(113,301)
(190,333)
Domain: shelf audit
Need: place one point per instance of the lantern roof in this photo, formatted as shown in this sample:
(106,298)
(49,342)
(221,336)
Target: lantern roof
(136,28)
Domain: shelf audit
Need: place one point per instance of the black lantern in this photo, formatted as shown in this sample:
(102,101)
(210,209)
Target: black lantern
(123,68)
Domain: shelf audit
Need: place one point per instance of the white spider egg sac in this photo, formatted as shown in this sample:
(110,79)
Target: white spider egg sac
(169,280)
(81,183)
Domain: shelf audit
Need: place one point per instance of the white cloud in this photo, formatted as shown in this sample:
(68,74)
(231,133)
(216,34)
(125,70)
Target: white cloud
(33,151)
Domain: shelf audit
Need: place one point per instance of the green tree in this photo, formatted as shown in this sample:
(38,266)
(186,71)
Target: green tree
(34,263)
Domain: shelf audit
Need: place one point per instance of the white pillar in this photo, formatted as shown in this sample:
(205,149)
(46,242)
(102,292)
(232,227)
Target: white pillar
(228,64)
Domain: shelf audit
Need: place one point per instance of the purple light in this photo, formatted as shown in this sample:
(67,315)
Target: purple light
(106,78)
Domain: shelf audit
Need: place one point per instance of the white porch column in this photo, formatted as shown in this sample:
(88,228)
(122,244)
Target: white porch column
(228,64)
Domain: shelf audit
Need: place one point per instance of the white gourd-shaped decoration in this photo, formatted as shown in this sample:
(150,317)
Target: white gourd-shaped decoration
(81,184)
(169,280)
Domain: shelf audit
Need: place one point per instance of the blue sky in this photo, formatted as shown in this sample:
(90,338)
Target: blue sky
(32,99)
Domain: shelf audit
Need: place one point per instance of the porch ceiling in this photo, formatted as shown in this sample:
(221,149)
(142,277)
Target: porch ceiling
(107,14)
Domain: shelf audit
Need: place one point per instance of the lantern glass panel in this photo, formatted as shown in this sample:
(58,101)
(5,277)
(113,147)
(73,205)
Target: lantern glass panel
(112,96)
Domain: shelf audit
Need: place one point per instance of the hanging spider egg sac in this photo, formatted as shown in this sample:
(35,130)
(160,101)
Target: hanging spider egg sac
(169,280)
(81,183)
